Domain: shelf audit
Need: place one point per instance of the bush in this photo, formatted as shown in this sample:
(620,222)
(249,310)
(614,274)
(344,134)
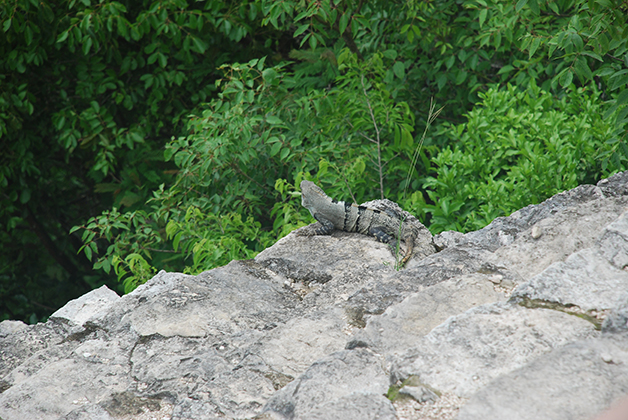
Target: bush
(519,148)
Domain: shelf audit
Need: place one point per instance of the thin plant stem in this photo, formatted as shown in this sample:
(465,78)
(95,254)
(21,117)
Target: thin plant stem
(377,140)
(431,116)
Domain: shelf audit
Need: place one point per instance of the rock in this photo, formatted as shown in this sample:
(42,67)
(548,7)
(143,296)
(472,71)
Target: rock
(292,348)
(124,406)
(448,239)
(571,382)
(588,279)
(466,352)
(18,347)
(615,186)
(402,325)
(585,279)
(613,243)
(79,311)
(49,389)
(355,406)
(349,384)
(376,296)
(504,231)
(419,393)
(558,236)
(617,319)
(526,317)
(9,327)
(307,265)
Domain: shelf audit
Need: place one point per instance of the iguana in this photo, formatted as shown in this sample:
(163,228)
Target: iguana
(386,223)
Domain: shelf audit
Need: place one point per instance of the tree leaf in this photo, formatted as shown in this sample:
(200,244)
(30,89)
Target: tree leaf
(392,54)
(536,42)
(63,36)
(576,40)
(269,75)
(303,14)
(593,55)
(482,17)
(450,61)
(619,79)
(275,149)
(163,61)
(199,44)
(399,69)
(301,29)
(461,77)
(88,252)
(271,119)
(313,41)
(342,25)
(506,69)
(87,44)
(25,196)
(305,38)
(28,35)
(566,78)
(622,98)
(534,6)
(582,69)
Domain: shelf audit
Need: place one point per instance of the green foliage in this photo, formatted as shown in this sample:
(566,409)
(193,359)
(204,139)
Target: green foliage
(452,50)
(371,112)
(174,133)
(519,148)
(132,271)
(89,94)
(215,240)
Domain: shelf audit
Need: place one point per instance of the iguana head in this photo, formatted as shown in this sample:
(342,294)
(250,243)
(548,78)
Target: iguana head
(310,194)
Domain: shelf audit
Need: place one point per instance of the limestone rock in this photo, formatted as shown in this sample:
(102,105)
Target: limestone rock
(402,325)
(617,319)
(588,279)
(345,385)
(79,311)
(585,280)
(526,318)
(466,352)
(576,381)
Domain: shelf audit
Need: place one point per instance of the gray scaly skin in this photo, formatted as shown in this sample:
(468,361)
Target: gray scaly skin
(383,224)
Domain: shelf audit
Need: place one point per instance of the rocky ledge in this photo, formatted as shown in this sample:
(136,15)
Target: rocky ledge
(524,319)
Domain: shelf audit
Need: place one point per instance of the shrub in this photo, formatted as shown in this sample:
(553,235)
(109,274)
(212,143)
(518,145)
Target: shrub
(519,148)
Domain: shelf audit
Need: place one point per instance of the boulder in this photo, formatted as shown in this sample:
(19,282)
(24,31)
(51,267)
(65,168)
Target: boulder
(526,318)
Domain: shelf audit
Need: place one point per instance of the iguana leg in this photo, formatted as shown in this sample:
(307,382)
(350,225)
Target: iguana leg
(323,227)
(381,235)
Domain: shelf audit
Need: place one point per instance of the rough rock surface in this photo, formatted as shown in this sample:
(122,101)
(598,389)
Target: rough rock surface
(524,319)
